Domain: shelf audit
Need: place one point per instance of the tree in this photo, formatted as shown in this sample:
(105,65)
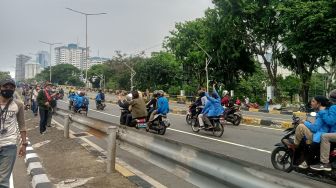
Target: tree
(62,74)
(4,75)
(181,43)
(307,27)
(160,71)
(253,85)
(289,86)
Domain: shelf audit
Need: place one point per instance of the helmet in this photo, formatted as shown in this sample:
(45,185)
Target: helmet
(160,92)
(332,96)
(225,92)
(129,97)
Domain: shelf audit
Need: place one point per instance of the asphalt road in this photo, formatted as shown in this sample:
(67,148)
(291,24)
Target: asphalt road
(259,115)
(249,143)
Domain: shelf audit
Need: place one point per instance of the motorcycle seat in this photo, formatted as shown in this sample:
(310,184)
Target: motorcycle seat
(214,117)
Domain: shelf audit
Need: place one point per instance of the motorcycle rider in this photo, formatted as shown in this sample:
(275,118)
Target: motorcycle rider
(100,98)
(212,108)
(162,106)
(330,119)
(226,99)
(199,104)
(80,101)
(151,105)
(137,107)
(123,102)
(312,131)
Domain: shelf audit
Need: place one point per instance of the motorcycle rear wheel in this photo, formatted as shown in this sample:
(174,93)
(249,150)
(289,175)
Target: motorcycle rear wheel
(218,130)
(280,161)
(162,131)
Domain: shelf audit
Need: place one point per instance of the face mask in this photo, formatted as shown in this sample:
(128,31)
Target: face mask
(7,93)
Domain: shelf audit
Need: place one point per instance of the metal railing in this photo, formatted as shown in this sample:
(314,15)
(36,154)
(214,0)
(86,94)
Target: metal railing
(200,167)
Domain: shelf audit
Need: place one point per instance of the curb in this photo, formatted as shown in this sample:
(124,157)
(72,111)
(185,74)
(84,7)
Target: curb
(35,169)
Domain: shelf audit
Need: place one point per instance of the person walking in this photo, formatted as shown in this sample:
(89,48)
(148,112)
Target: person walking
(44,102)
(12,127)
(34,101)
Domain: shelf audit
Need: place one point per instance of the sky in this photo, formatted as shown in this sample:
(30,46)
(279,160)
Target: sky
(129,25)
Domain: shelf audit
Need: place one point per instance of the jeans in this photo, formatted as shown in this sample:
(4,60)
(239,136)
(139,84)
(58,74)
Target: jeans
(267,106)
(129,119)
(34,106)
(43,119)
(7,160)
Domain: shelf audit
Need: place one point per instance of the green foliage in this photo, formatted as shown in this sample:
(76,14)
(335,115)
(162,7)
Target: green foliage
(4,75)
(253,86)
(61,74)
(158,72)
(289,86)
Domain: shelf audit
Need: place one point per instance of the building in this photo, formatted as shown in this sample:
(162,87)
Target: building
(71,54)
(43,59)
(97,61)
(31,69)
(21,61)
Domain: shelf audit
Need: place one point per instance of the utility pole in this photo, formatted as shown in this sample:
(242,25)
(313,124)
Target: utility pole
(133,73)
(86,37)
(207,62)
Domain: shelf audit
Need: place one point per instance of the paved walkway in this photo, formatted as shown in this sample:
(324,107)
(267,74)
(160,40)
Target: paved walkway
(66,162)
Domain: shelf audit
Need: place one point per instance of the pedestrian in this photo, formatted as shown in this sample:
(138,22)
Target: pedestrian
(238,102)
(267,103)
(34,101)
(12,128)
(53,104)
(44,102)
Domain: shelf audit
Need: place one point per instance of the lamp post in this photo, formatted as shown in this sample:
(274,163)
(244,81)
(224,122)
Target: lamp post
(86,36)
(50,46)
(133,73)
(207,62)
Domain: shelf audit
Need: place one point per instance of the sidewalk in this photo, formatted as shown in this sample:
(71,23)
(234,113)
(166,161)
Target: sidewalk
(67,163)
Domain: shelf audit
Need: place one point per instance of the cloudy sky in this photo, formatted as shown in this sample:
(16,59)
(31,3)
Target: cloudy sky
(129,25)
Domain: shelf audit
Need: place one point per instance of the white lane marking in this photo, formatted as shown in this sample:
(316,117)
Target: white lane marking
(223,141)
(209,138)
(11,181)
(262,127)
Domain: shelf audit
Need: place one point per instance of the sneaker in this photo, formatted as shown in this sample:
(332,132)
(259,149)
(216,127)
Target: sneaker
(321,166)
(303,165)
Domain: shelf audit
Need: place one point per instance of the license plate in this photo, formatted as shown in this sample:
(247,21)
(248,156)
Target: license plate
(142,125)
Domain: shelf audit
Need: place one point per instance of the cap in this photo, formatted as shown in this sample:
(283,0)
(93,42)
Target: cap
(7,81)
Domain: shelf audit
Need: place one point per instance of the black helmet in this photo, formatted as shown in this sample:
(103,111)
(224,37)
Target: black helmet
(6,81)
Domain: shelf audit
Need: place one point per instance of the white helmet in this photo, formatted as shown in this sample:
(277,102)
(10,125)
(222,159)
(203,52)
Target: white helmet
(129,97)
(225,92)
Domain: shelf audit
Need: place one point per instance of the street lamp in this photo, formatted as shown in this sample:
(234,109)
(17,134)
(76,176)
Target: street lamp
(207,62)
(132,74)
(86,37)
(50,46)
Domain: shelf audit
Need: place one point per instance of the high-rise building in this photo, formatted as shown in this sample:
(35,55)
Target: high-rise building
(21,60)
(71,54)
(43,59)
(31,69)
(96,61)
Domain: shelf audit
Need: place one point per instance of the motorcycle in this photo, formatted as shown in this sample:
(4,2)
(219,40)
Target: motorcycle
(217,125)
(233,115)
(288,159)
(158,125)
(190,115)
(100,106)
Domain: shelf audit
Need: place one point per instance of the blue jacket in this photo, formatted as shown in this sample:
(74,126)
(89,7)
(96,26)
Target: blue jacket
(162,106)
(100,97)
(213,106)
(330,118)
(319,127)
(79,101)
(72,96)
